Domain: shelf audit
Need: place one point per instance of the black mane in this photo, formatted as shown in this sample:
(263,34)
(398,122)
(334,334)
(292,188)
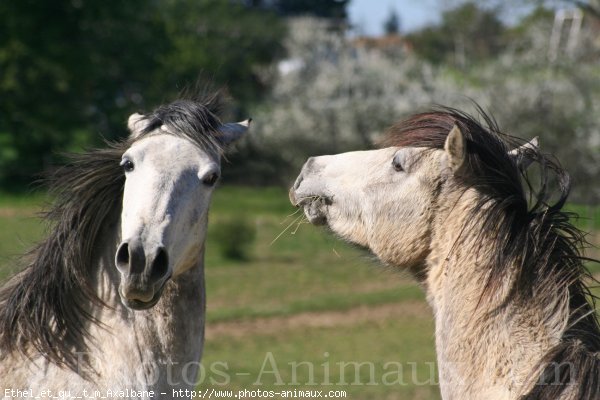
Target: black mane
(531,230)
(46,308)
(195,120)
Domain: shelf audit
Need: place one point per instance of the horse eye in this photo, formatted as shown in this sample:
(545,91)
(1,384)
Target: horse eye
(396,164)
(127,165)
(211,179)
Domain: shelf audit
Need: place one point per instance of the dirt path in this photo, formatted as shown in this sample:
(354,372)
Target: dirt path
(9,212)
(358,315)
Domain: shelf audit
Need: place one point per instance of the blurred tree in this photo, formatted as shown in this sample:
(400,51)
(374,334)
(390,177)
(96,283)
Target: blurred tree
(73,69)
(338,96)
(66,66)
(590,7)
(391,25)
(466,34)
(335,97)
(230,43)
(253,163)
(331,9)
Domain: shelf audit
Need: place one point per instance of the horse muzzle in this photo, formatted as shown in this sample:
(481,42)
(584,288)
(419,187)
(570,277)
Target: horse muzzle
(143,274)
(311,198)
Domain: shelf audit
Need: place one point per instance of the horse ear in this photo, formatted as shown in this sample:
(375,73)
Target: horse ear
(455,148)
(520,154)
(136,124)
(229,133)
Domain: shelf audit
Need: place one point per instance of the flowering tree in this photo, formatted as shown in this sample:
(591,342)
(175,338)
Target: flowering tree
(335,94)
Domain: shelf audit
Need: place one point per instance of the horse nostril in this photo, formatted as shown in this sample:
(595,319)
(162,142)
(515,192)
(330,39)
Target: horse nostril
(122,257)
(131,260)
(160,265)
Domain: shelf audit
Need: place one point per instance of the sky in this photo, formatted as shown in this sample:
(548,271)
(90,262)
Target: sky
(368,15)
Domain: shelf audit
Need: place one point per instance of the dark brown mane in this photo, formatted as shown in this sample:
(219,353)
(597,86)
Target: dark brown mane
(531,230)
(47,307)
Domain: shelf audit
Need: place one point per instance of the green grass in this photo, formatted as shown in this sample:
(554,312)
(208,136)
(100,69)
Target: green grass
(326,302)
(404,345)
(19,230)
(589,216)
(22,201)
(305,270)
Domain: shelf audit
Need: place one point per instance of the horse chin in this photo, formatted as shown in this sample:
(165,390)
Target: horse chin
(138,305)
(315,214)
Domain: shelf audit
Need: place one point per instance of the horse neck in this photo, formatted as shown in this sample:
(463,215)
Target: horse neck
(164,342)
(483,351)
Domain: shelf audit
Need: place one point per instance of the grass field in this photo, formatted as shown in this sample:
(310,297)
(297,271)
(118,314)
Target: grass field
(305,298)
